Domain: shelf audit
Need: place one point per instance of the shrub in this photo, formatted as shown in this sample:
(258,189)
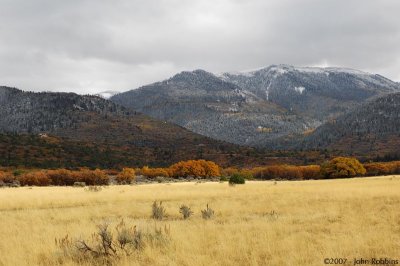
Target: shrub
(207,214)
(39,178)
(341,167)
(160,179)
(112,172)
(18,172)
(237,179)
(157,211)
(6,178)
(91,177)
(279,172)
(104,245)
(191,168)
(160,237)
(107,246)
(223,179)
(94,188)
(272,215)
(79,184)
(126,176)
(246,174)
(229,171)
(61,177)
(129,236)
(185,211)
(154,172)
(385,168)
(310,171)
(288,172)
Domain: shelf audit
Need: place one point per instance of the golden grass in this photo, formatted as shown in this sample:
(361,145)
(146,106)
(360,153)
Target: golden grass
(345,218)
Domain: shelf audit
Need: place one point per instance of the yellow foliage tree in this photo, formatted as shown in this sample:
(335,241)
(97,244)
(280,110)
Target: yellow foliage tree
(341,167)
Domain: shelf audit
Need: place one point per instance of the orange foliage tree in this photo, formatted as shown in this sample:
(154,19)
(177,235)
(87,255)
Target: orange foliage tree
(230,171)
(39,178)
(288,172)
(6,177)
(279,172)
(311,171)
(195,168)
(91,177)
(61,177)
(384,168)
(154,172)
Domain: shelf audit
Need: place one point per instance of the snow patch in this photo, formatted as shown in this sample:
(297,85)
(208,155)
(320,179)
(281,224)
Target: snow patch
(279,70)
(78,107)
(299,89)
(327,70)
(267,91)
(107,94)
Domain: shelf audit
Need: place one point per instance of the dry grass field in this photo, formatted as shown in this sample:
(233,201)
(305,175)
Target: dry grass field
(259,223)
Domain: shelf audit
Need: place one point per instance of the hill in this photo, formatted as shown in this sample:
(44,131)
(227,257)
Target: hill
(69,130)
(373,129)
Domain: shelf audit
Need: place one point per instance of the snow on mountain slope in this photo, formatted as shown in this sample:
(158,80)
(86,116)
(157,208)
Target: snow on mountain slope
(319,93)
(205,104)
(107,94)
(259,106)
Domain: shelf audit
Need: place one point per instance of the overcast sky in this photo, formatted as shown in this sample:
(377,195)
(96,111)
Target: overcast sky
(88,46)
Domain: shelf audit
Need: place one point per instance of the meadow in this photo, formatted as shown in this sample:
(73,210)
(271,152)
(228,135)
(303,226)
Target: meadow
(259,223)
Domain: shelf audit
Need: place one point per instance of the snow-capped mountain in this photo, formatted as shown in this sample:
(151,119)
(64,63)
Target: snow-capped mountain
(312,91)
(208,105)
(260,106)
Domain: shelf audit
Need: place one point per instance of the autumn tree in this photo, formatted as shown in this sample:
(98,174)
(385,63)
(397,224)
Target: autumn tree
(310,171)
(195,168)
(383,168)
(91,177)
(6,177)
(341,167)
(288,172)
(61,177)
(38,178)
(154,172)
(229,171)
(126,176)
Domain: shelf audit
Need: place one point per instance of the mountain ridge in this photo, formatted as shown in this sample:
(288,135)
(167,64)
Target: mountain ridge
(260,106)
(90,123)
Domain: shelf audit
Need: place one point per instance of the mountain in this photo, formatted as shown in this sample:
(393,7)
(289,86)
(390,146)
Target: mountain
(260,108)
(373,129)
(66,129)
(318,93)
(208,105)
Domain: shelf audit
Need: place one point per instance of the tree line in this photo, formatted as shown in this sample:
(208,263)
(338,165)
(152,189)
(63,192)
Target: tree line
(339,167)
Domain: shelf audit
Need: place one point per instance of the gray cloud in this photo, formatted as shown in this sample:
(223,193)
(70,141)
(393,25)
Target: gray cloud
(87,46)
